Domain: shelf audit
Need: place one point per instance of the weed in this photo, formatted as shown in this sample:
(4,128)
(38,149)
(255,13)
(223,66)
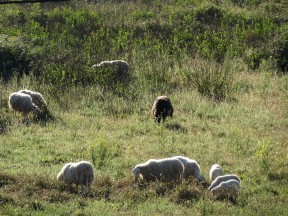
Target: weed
(185,194)
(214,81)
(263,153)
(6,179)
(36,205)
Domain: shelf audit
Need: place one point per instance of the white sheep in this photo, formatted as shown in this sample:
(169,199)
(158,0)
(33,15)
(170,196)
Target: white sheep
(229,189)
(167,169)
(22,103)
(80,173)
(191,168)
(223,178)
(215,171)
(119,68)
(162,107)
(37,98)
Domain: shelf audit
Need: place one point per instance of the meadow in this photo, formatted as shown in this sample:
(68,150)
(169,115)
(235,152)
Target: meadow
(222,63)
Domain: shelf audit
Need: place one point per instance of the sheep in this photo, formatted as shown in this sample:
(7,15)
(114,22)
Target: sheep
(223,178)
(20,102)
(119,68)
(227,189)
(166,170)
(162,107)
(80,173)
(215,171)
(37,98)
(191,168)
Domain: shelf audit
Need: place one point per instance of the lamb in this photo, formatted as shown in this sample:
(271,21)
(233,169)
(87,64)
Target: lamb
(20,102)
(119,68)
(229,189)
(166,170)
(37,98)
(223,178)
(162,107)
(191,168)
(215,171)
(80,173)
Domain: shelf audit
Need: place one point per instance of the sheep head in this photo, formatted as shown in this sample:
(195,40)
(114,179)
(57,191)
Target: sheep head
(137,173)
(60,176)
(63,172)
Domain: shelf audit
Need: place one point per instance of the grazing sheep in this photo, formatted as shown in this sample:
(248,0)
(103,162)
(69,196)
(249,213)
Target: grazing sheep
(223,178)
(229,189)
(22,103)
(215,171)
(191,168)
(167,169)
(80,173)
(37,98)
(162,108)
(119,68)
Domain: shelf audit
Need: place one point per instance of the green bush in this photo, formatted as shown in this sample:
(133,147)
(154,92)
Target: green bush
(280,52)
(15,57)
(212,80)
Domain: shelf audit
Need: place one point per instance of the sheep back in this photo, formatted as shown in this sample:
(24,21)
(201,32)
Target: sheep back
(80,173)
(37,98)
(215,171)
(162,107)
(168,169)
(223,178)
(21,102)
(192,168)
(119,69)
(230,188)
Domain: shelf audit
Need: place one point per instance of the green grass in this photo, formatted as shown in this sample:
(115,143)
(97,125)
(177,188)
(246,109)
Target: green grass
(220,64)
(246,136)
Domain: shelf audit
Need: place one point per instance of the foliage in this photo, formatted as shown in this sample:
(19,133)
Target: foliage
(214,82)
(264,152)
(16,57)
(69,38)
(281,51)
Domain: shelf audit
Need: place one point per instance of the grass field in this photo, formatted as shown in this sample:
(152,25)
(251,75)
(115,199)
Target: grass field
(231,108)
(247,137)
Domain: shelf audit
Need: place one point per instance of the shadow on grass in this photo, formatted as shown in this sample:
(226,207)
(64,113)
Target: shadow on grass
(176,127)
(6,179)
(278,177)
(4,124)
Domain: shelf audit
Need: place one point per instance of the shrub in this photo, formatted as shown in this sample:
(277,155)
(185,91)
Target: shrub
(280,52)
(15,57)
(212,80)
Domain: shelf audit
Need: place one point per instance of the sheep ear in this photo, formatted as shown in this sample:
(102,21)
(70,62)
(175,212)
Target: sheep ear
(139,170)
(136,170)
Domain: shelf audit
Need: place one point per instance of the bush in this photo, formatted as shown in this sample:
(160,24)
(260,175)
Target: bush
(212,80)
(280,52)
(15,57)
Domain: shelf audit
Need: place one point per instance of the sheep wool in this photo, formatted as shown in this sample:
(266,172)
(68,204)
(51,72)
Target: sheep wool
(230,188)
(162,107)
(191,168)
(120,67)
(80,173)
(223,178)
(215,171)
(37,98)
(167,169)
(22,103)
